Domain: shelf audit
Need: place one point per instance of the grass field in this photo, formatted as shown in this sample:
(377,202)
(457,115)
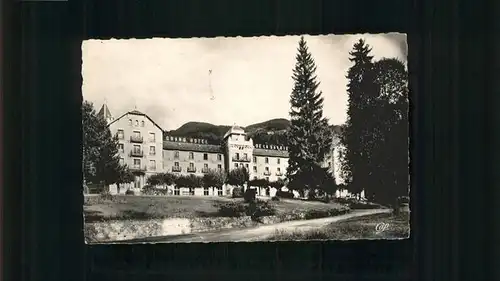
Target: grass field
(389,227)
(118,207)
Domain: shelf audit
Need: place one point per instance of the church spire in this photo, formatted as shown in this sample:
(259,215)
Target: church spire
(105,113)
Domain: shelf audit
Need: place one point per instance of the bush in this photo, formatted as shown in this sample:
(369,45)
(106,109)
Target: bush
(231,209)
(106,195)
(129,192)
(237,192)
(260,209)
(316,214)
(250,195)
(150,190)
(284,194)
(238,209)
(275,198)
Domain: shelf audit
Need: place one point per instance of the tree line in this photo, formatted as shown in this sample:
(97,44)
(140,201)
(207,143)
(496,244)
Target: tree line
(374,141)
(213,178)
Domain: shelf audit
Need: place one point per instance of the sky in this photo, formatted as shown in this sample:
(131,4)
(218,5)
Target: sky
(223,80)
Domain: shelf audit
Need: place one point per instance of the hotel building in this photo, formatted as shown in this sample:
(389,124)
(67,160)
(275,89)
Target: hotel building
(144,147)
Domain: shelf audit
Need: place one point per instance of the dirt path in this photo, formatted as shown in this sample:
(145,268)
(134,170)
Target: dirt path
(258,233)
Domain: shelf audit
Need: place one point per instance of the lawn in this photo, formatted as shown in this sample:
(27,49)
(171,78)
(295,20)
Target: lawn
(98,208)
(380,226)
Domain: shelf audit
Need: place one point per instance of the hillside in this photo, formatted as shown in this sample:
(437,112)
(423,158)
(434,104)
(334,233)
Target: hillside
(272,131)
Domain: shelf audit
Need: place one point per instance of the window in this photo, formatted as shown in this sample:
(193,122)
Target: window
(205,191)
(152,137)
(152,164)
(177,190)
(278,161)
(176,164)
(236,165)
(267,178)
(122,161)
(219,191)
(255,159)
(137,148)
(205,156)
(176,155)
(191,165)
(205,166)
(152,150)
(137,123)
(137,134)
(255,177)
(246,166)
(191,155)
(255,169)
(120,147)
(267,160)
(121,134)
(130,122)
(267,169)
(237,156)
(191,191)
(219,157)
(279,170)
(245,156)
(137,163)
(219,167)
(142,123)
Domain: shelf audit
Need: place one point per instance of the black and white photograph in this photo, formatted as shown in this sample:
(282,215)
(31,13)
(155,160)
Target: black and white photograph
(245,139)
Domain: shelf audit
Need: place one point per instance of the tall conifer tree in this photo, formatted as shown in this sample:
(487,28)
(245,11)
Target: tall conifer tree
(357,137)
(309,135)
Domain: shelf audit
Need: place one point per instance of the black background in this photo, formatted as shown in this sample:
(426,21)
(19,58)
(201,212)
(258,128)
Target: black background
(452,52)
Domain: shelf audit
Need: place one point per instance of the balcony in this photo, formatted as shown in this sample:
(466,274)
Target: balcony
(267,173)
(176,169)
(136,139)
(241,159)
(205,170)
(191,169)
(138,168)
(136,153)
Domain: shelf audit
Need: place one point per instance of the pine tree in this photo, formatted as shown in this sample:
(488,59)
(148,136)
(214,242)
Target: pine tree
(357,138)
(309,136)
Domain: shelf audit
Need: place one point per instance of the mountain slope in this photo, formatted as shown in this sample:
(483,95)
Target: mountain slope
(271,132)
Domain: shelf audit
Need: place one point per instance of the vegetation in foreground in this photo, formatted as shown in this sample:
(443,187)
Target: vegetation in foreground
(107,207)
(380,226)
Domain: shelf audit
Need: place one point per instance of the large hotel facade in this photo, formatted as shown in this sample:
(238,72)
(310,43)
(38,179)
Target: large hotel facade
(144,147)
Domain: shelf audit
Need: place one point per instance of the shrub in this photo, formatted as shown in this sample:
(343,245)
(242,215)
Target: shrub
(249,195)
(275,198)
(150,190)
(284,194)
(237,192)
(106,195)
(231,209)
(315,214)
(129,192)
(261,209)
(238,209)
